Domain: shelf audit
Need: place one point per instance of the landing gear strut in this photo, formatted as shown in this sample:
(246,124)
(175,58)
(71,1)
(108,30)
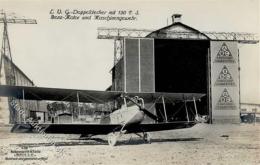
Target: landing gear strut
(112,139)
(147,137)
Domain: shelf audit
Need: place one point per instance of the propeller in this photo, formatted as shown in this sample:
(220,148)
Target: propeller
(149,114)
(141,107)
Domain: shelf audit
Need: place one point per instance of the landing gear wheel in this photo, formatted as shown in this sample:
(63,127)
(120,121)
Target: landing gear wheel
(147,138)
(112,139)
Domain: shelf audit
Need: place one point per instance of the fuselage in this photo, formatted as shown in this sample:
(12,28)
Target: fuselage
(127,115)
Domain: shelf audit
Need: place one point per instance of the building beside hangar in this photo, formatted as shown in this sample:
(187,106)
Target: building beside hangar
(250,107)
(9,112)
(180,59)
(250,112)
(11,74)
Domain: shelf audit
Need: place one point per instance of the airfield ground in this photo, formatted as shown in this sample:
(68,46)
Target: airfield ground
(202,144)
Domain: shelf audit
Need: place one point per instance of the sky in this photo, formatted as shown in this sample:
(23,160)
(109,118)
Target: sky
(67,53)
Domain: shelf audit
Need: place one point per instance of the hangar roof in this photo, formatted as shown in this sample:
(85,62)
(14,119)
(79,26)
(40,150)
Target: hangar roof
(18,69)
(178,30)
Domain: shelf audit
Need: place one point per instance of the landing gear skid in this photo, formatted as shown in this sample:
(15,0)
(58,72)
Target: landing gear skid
(85,136)
(112,137)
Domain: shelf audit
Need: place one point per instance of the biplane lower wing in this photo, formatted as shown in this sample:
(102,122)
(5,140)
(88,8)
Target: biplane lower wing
(160,126)
(100,129)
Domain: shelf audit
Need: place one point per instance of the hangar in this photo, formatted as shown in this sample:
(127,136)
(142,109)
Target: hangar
(180,59)
(35,109)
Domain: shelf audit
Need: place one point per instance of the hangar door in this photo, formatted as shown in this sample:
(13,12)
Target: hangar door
(139,65)
(224,81)
(181,66)
(166,65)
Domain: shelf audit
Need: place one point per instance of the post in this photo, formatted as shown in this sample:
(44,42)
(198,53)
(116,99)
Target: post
(209,90)
(239,86)
(254,110)
(115,58)
(72,114)
(78,103)
(125,103)
(187,115)
(195,106)
(164,109)
(23,108)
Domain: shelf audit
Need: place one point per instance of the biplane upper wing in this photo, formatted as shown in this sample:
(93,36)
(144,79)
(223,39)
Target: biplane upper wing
(74,95)
(58,94)
(170,96)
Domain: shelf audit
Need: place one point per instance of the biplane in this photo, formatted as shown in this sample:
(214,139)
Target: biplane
(126,119)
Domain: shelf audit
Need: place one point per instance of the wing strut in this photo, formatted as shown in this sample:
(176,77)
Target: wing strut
(23,115)
(195,106)
(187,114)
(78,103)
(164,109)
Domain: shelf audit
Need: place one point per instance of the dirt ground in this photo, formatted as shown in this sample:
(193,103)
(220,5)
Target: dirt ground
(202,144)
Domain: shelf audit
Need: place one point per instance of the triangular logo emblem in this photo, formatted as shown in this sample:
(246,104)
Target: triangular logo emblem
(224,55)
(225,78)
(225,102)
